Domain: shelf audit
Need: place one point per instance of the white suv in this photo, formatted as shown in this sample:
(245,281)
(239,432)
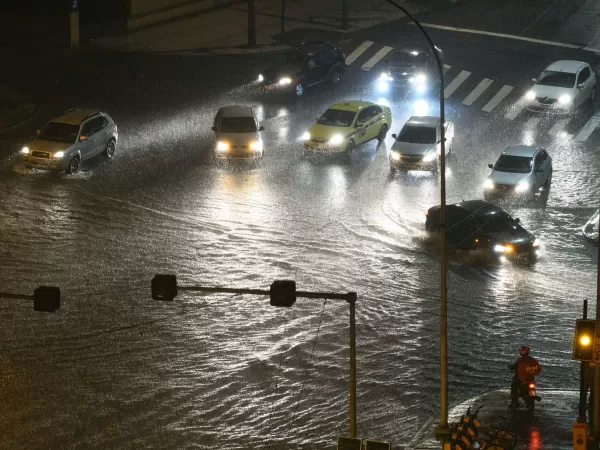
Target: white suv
(237,133)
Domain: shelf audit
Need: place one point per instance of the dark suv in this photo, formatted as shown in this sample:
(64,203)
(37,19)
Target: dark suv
(480,225)
(410,67)
(304,66)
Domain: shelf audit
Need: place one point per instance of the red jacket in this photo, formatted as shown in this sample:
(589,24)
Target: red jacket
(527,368)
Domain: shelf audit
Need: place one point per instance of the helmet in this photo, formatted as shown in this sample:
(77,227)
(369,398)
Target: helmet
(524,350)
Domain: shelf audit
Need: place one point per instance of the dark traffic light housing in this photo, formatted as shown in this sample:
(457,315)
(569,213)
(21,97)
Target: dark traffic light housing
(46,299)
(585,333)
(283,293)
(164,287)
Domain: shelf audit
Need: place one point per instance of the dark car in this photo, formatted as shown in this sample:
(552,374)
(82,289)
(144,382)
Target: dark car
(480,225)
(304,66)
(410,67)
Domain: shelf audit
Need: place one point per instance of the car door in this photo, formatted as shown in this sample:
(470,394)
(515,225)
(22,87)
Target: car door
(316,67)
(88,145)
(102,133)
(541,168)
(374,121)
(584,85)
(361,126)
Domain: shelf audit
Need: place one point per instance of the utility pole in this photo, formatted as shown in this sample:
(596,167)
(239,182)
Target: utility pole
(74,22)
(251,24)
(283,5)
(344,14)
(596,389)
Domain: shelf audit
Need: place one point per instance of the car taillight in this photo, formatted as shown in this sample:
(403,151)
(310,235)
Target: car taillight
(531,386)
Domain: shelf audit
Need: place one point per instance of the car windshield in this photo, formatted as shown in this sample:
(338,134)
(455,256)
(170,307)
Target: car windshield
(417,135)
(409,57)
(496,221)
(558,79)
(337,118)
(293,56)
(514,164)
(238,125)
(59,132)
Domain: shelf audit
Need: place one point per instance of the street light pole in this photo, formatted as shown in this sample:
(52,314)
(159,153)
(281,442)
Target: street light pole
(442,431)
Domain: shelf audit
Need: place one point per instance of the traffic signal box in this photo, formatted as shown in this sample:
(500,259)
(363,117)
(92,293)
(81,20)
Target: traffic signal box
(283,293)
(583,346)
(46,299)
(164,287)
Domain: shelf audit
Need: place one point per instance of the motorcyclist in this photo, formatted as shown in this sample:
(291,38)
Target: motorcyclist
(526,368)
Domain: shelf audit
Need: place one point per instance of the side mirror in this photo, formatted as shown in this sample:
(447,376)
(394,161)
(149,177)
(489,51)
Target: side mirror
(317,118)
(534,80)
(261,129)
(213,128)
(83,138)
(38,132)
(394,136)
(580,86)
(491,166)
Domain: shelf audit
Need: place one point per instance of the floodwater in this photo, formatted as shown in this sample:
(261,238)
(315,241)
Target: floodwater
(113,368)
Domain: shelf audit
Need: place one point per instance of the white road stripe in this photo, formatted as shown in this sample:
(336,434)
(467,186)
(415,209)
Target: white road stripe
(588,128)
(496,99)
(446,68)
(462,76)
(558,127)
(357,52)
(376,57)
(475,93)
(510,36)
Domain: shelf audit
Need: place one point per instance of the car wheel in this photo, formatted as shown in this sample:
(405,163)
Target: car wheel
(73,166)
(299,89)
(382,133)
(335,76)
(109,151)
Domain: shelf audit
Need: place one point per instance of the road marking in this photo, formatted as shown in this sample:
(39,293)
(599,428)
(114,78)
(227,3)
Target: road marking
(475,93)
(496,99)
(376,57)
(510,36)
(462,76)
(558,127)
(588,128)
(446,68)
(357,52)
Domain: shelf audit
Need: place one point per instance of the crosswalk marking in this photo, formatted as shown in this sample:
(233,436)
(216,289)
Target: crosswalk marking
(462,76)
(446,68)
(496,99)
(376,57)
(475,93)
(588,128)
(558,127)
(357,52)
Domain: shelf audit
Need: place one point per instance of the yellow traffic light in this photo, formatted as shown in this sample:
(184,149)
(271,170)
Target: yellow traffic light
(585,332)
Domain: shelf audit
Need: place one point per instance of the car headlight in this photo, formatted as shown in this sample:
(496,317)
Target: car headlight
(305,136)
(336,139)
(385,77)
(222,146)
(395,156)
(382,85)
(261,78)
(536,243)
(522,187)
(430,157)
(565,99)
(420,78)
(503,248)
(59,154)
(285,80)
(530,95)
(25,150)
(489,184)
(256,145)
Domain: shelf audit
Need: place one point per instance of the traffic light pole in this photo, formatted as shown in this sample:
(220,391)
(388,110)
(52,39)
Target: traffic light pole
(583,365)
(349,297)
(596,388)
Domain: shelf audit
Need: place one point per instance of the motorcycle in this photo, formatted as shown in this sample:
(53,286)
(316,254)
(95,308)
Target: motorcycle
(528,393)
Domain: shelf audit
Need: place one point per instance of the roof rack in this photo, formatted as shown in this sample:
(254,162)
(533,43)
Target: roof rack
(68,110)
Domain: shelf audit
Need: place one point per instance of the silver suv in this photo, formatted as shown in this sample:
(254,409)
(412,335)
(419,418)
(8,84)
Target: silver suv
(73,137)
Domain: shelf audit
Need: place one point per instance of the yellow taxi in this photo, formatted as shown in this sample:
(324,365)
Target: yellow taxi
(346,125)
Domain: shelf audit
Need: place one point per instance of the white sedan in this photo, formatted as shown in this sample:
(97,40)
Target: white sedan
(520,170)
(563,86)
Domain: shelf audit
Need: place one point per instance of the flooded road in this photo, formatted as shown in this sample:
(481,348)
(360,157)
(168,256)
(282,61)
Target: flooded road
(113,368)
